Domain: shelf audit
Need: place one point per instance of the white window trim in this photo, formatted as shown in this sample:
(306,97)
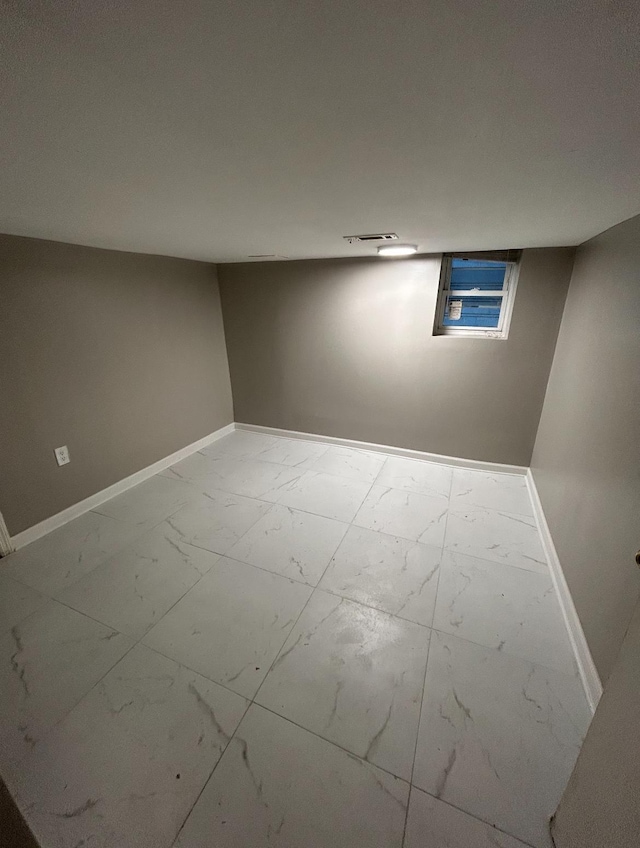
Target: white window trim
(508,294)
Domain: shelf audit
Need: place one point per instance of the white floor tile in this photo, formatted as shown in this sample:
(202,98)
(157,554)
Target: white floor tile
(292,543)
(326,494)
(126,765)
(151,502)
(47,663)
(193,468)
(231,625)
(350,463)
(216,520)
(64,556)
(250,478)
(386,572)
(497,536)
(135,588)
(433,824)
(353,675)
(498,735)
(503,607)
(421,518)
(506,492)
(413,475)
(294,452)
(242,443)
(17,601)
(281,786)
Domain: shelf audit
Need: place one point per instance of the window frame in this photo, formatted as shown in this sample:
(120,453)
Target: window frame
(507,294)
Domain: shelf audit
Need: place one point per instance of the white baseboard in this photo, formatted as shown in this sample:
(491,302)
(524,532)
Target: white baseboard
(6,545)
(55,521)
(586,666)
(477,464)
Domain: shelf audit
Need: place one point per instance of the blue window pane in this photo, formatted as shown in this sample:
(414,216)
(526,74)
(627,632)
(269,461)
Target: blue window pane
(482,312)
(477,274)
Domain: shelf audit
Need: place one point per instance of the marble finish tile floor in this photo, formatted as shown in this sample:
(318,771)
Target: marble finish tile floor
(280,642)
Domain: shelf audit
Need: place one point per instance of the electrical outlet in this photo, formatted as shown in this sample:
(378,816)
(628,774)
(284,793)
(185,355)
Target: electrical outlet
(62,455)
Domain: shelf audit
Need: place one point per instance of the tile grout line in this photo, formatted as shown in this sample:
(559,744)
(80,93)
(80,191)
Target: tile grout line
(255,695)
(251,701)
(133,639)
(426,665)
(136,641)
(215,766)
(475,817)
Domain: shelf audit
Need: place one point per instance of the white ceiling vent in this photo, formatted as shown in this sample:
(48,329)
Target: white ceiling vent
(372,237)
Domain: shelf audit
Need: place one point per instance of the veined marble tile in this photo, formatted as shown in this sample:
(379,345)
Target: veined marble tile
(326,494)
(250,478)
(231,625)
(503,607)
(150,502)
(242,443)
(133,590)
(294,452)
(126,765)
(353,675)
(48,662)
(433,824)
(281,786)
(216,520)
(17,601)
(497,536)
(292,543)
(60,558)
(506,492)
(498,735)
(420,518)
(386,572)
(350,463)
(414,475)
(193,468)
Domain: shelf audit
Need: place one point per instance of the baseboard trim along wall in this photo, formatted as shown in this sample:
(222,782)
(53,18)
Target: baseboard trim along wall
(6,546)
(586,666)
(55,521)
(495,467)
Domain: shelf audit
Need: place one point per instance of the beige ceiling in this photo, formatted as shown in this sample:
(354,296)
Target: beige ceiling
(215,130)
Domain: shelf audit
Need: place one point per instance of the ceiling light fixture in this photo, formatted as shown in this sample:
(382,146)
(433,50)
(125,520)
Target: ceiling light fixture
(397,249)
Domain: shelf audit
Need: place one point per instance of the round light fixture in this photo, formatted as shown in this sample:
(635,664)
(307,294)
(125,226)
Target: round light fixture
(397,249)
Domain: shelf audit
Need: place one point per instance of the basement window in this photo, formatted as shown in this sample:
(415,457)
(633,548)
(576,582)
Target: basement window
(476,294)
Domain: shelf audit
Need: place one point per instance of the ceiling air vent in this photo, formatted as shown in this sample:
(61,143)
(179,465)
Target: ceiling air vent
(372,237)
(266,256)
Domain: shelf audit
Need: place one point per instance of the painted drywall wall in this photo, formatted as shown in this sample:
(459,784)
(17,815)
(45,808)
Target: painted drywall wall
(586,462)
(120,356)
(345,348)
(599,808)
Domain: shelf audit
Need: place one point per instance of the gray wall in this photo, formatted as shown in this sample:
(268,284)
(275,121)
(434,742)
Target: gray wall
(117,355)
(586,461)
(599,808)
(345,348)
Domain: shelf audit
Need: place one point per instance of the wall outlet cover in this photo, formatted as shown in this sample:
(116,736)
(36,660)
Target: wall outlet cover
(62,455)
